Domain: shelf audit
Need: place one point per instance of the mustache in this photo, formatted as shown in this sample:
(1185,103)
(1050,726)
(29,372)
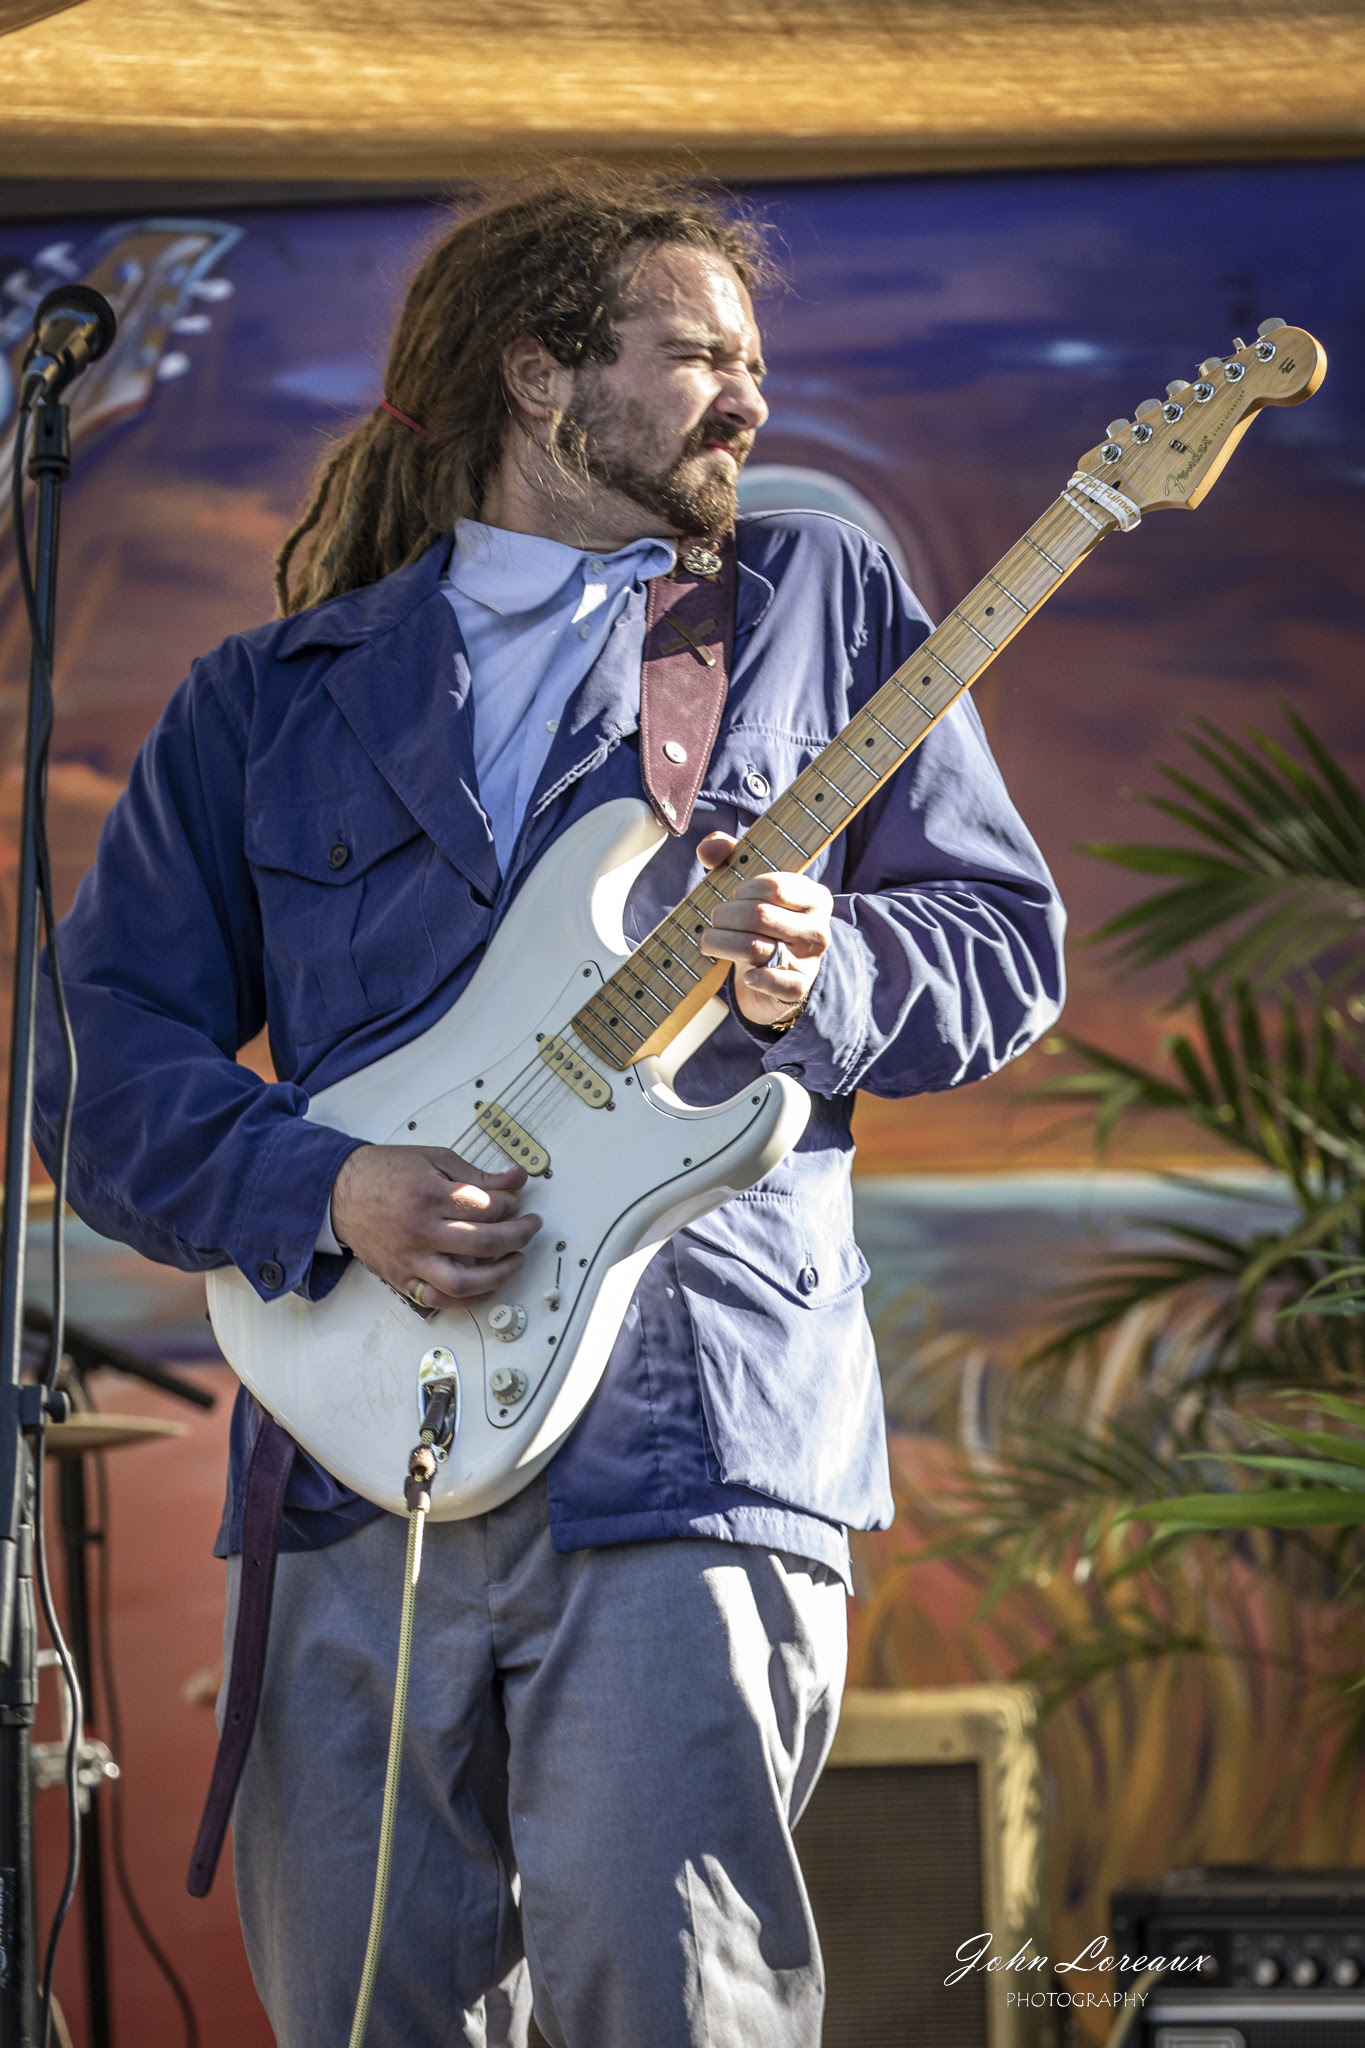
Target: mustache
(739,440)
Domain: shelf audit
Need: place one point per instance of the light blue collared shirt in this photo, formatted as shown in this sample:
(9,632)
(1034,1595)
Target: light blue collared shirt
(534,615)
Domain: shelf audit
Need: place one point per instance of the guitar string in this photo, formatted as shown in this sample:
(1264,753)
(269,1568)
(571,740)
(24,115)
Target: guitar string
(537,1082)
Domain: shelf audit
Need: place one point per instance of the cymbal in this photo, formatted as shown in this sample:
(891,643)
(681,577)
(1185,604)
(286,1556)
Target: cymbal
(88,1431)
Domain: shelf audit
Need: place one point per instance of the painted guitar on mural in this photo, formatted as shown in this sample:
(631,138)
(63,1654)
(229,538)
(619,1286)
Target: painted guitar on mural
(561,1053)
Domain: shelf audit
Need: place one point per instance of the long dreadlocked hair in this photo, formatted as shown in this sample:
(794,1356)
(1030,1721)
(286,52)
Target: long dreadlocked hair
(546,256)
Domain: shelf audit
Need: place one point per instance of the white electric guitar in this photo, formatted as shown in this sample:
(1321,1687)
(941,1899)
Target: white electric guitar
(560,1055)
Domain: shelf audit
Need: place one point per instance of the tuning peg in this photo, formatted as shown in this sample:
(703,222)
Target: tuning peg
(1237,344)
(1115,428)
(1148,407)
(1211,367)
(1176,386)
(1269,326)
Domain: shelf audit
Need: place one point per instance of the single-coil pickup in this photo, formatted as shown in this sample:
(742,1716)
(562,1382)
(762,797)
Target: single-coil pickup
(572,1068)
(509,1137)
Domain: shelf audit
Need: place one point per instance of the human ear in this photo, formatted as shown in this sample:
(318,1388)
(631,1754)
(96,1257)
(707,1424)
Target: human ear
(538,388)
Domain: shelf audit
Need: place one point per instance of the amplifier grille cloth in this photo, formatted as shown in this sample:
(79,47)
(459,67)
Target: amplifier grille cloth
(892,1858)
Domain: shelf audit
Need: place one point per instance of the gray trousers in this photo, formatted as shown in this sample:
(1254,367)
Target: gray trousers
(606,1753)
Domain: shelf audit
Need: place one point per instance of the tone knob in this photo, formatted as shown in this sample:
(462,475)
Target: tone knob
(1304,1971)
(1345,1972)
(507,1321)
(1265,1971)
(507,1385)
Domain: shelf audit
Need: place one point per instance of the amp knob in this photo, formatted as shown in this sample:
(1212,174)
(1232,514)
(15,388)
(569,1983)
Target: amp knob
(507,1321)
(1304,1971)
(1265,1971)
(1345,1972)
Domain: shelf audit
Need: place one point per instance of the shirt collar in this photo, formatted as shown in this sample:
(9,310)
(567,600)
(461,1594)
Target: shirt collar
(518,572)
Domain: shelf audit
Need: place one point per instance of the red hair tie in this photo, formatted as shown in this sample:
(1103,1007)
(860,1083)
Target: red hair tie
(402,417)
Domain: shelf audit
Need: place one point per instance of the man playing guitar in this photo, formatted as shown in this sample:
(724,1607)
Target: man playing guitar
(627,1676)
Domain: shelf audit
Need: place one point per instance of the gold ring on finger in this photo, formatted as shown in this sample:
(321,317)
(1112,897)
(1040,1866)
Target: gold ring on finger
(416,1292)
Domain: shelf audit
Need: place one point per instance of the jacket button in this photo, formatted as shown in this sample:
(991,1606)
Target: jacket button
(339,855)
(271,1273)
(674,750)
(756,784)
(808,1280)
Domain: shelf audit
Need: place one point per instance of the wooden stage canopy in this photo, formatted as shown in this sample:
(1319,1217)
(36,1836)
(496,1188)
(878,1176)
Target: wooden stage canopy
(343,93)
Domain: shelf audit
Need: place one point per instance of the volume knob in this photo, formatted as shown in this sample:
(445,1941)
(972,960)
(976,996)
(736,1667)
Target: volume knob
(507,1321)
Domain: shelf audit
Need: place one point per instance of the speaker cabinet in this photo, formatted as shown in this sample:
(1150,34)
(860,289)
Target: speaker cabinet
(924,1832)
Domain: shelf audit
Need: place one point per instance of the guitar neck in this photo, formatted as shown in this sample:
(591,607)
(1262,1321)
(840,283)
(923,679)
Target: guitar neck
(668,978)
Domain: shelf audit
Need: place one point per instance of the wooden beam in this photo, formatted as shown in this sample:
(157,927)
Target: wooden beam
(414,91)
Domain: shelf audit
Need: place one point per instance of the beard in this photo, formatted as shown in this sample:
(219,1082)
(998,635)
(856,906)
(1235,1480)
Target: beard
(694,493)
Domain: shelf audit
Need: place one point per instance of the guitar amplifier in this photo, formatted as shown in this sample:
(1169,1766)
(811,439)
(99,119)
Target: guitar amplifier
(1281,1958)
(924,1832)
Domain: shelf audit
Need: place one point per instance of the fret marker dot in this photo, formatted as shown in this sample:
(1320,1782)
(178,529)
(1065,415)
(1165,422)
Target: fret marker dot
(990,611)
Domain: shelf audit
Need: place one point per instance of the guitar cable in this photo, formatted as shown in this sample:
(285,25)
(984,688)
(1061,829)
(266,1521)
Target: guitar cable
(438,1431)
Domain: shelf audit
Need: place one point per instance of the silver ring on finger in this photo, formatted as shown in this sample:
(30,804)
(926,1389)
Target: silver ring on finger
(779,957)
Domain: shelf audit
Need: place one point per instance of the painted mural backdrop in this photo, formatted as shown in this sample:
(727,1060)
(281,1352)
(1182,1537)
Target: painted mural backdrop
(946,350)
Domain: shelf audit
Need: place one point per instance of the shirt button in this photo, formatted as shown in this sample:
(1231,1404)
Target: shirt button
(338,855)
(808,1280)
(674,750)
(585,629)
(271,1273)
(756,784)
(596,567)
(552,725)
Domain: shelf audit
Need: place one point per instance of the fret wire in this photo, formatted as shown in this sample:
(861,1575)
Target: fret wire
(842,742)
(804,806)
(669,979)
(635,1002)
(906,689)
(894,738)
(1005,591)
(1045,555)
(774,821)
(974,629)
(674,917)
(927,649)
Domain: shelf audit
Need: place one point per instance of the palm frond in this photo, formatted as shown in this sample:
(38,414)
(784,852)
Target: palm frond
(1280,871)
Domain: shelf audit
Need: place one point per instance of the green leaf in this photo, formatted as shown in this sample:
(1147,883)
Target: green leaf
(1282,1508)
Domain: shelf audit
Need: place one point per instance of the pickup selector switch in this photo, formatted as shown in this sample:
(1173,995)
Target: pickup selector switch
(507,1321)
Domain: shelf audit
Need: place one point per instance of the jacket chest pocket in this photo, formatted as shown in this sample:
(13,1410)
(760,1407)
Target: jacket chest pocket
(346,888)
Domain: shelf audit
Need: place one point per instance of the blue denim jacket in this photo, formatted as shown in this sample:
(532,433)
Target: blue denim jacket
(742,1397)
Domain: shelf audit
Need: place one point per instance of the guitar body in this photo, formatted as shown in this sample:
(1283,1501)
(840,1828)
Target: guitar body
(342,1374)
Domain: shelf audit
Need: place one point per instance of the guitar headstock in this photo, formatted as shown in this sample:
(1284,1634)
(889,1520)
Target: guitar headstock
(1174,450)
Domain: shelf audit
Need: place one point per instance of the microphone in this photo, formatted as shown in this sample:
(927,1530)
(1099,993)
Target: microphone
(73,327)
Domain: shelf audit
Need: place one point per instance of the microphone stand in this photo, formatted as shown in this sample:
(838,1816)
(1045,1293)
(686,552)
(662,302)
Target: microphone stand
(24,1409)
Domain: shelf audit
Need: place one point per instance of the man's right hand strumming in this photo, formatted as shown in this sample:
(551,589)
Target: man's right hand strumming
(434,1227)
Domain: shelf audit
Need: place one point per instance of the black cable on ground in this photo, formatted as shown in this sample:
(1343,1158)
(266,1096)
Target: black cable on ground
(114,1722)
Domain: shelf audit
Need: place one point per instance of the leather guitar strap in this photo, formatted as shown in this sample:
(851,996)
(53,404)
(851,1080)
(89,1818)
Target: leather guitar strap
(685,675)
(272,1457)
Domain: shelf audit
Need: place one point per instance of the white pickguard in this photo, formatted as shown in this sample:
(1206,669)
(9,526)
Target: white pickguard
(341,1374)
